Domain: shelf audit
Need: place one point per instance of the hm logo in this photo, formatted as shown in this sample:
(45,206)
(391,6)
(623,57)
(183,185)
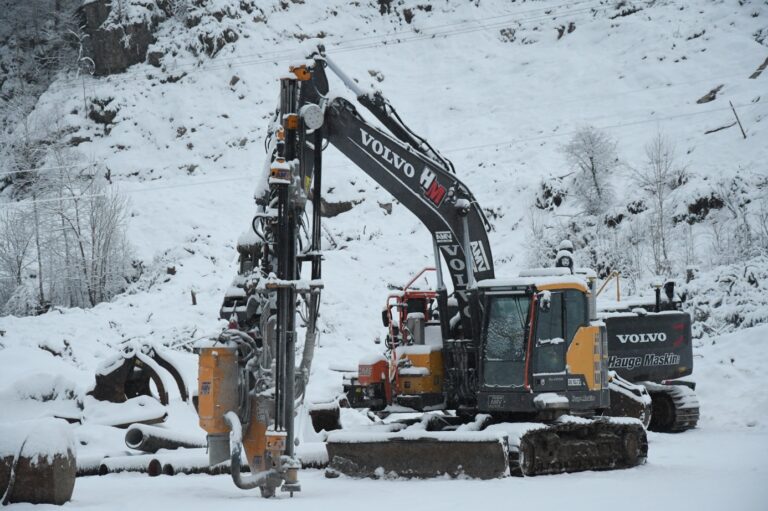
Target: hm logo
(433,190)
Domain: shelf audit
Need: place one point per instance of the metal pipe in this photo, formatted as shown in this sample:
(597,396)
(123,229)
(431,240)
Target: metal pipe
(593,292)
(185,461)
(286,270)
(150,439)
(351,85)
(468,252)
(314,296)
(89,465)
(438,265)
(136,463)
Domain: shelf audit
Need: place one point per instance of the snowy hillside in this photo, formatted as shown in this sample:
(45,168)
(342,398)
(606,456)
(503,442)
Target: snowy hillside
(500,87)
(185,140)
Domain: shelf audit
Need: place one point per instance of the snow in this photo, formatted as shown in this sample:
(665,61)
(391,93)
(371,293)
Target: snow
(554,340)
(728,372)
(549,399)
(372,358)
(545,272)
(682,475)
(418,349)
(626,75)
(533,281)
(354,437)
(414,371)
(39,440)
(136,409)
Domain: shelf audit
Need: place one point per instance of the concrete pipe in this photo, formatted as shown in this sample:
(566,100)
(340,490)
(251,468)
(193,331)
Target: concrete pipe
(152,438)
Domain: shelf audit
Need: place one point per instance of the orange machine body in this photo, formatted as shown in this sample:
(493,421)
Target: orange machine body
(218,391)
(375,372)
(217,388)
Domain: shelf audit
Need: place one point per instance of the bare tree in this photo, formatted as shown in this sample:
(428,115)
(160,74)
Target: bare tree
(15,243)
(27,154)
(762,223)
(659,176)
(592,155)
(92,218)
(78,222)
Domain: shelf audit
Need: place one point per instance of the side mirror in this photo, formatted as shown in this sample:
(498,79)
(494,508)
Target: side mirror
(385,318)
(545,301)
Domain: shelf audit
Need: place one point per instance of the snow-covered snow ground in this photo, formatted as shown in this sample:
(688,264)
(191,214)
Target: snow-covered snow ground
(501,106)
(704,469)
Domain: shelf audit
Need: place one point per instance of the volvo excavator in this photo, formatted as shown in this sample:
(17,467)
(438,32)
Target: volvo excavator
(650,352)
(524,360)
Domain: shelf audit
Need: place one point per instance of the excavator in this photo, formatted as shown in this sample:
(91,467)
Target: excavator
(524,364)
(412,373)
(650,352)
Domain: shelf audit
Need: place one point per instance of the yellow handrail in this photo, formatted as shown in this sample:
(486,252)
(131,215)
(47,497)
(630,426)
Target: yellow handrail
(614,275)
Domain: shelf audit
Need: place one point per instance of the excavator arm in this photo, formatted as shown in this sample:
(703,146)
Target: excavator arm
(415,174)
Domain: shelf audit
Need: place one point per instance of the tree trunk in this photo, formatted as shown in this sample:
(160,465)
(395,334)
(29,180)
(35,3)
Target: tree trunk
(41,296)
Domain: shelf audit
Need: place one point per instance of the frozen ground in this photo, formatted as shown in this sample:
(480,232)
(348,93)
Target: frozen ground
(707,469)
(721,465)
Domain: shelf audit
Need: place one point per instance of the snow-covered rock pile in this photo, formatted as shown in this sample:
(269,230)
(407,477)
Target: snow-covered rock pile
(728,297)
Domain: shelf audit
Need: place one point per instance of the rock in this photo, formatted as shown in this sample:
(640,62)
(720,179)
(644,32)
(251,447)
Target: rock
(115,47)
(154,57)
(709,96)
(76,141)
(332,209)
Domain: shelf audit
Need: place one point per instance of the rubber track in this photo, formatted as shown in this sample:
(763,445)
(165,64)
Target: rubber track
(574,447)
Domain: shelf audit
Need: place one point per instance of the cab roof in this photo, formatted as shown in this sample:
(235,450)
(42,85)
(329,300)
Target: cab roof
(544,283)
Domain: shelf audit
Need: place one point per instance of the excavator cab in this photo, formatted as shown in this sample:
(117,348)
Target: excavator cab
(540,356)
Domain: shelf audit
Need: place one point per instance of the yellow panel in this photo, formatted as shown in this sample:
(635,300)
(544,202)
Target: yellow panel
(581,356)
(420,385)
(432,383)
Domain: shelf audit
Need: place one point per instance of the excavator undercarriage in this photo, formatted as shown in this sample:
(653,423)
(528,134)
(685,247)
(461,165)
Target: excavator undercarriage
(489,450)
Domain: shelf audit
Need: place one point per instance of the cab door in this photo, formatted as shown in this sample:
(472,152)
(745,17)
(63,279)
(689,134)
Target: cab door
(549,344)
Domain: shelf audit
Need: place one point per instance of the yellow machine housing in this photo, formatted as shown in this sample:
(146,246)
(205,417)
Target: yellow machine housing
(419,380)
(420,370)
